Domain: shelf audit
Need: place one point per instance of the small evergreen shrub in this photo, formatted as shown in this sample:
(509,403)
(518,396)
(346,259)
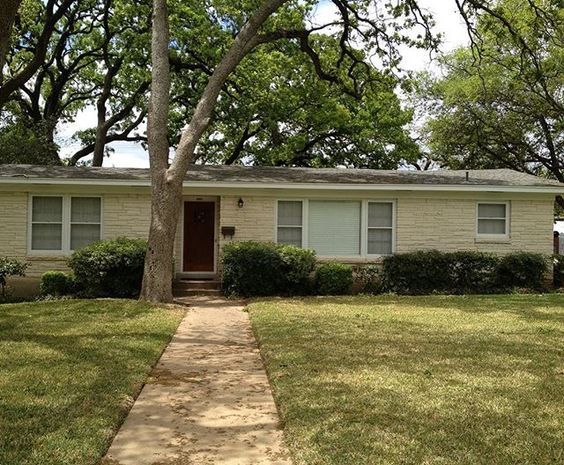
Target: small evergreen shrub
(56,284)
(112,268)
(333,279)
(10,267)
(265,269)
(368,279)
(421,272)
(558,270)
(471,272)
(522,270)
(297,267)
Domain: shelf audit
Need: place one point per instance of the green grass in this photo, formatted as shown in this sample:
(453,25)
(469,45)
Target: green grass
(417,380)
(68,371)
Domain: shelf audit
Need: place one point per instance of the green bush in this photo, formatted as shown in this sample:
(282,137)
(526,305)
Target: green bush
(333,279)
(421,272)
(368,279)
(558,270)
(264,269)
(522,270)
(10,267)
(427,272)
(297,266)
(112,268)
(471,272)
(56,284)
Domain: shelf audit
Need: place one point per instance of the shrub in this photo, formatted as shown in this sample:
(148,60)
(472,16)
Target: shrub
(251,269)
(426,272)
(297,266)
(263,269)
(57,283)
(471,272)
(333,279)
(522,270)
(421,272)
(10,267)
(558,270)
(368,279)
(112,268)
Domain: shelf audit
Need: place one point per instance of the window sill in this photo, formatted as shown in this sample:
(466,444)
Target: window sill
(353,260)
(492,240)
(62,256)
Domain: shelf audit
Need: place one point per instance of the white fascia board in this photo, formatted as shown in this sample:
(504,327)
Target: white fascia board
(294,186)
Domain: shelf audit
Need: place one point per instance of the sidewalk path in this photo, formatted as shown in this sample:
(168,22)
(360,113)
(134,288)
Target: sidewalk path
(208,401)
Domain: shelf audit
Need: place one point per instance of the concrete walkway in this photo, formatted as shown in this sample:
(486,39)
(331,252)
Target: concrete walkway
(208,401)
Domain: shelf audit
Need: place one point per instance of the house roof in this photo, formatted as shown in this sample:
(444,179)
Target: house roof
(282,177)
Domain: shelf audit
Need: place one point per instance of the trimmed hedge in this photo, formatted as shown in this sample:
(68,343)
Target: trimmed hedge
(333,279)
(57,284)
(112,268)
(522,270)
(265,269)
(427,272)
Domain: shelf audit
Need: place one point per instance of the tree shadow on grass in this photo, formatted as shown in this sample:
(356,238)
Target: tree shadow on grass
(68,370)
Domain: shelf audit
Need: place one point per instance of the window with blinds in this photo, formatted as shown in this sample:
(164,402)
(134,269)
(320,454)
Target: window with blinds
(334,227)
(380,228)
(47,223)
(85,221)
(337,228)
(290,222)
(492,219)
(64,223)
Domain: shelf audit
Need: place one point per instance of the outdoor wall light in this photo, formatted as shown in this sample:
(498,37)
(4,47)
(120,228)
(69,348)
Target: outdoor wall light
(240,202)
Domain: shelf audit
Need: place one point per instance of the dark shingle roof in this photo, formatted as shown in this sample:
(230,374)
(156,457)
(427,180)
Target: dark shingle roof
(268,175)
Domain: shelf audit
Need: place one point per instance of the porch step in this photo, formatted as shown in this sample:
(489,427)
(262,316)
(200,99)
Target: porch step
(193,292)
(189,287)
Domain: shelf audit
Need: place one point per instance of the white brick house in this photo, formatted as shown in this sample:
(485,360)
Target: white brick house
(354,216)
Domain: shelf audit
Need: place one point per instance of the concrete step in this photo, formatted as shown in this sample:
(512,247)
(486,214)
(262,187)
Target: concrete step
(193,284)
(193,292)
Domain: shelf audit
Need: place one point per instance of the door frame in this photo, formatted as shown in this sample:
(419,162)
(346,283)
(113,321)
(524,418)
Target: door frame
(199,274)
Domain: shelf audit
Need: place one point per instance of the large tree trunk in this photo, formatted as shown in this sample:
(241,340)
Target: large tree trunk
(166,182)
(166,200)
(166,192)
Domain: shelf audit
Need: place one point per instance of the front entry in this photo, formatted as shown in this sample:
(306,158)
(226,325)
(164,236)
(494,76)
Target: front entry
(199,237)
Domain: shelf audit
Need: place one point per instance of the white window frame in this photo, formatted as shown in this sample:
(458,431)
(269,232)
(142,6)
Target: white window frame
(364,242)
(66,220)
(304,203)
(363,226)
(506,234)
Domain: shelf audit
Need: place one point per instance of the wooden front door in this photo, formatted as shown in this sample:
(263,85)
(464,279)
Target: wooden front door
(199,236)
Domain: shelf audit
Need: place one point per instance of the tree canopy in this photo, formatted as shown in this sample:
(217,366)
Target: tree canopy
(286,104)
(500,102)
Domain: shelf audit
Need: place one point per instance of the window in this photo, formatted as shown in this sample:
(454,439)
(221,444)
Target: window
(380,228)
(47,223)
(63,223)
(85,221)
(337,228)
(334,227)
(492,219)
(290,222)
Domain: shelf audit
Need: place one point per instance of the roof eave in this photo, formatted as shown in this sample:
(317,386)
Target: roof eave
(296,185)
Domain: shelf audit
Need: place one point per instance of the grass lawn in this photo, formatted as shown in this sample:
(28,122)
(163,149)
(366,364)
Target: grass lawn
(417,380)
(68,371)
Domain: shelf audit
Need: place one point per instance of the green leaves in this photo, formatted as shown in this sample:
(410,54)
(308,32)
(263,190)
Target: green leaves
(500,103)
